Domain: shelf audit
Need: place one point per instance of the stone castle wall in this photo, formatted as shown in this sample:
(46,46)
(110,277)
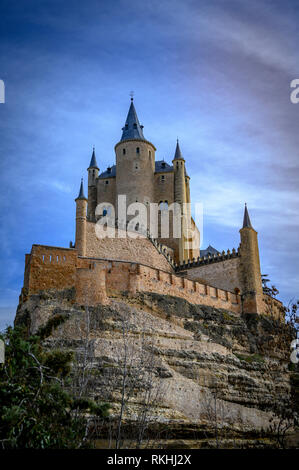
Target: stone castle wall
(126,249)
(224,274)
(95,280)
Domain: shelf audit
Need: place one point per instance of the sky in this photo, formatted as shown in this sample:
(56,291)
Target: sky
(215,73)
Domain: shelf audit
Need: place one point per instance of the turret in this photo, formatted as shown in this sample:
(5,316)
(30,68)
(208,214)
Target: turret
(250,271)
(81,205)
(93,172)
(135,162)
(180,196)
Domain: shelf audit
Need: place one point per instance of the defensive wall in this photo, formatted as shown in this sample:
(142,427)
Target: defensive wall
(96,279)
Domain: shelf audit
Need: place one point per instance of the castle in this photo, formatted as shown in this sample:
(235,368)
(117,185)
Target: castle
(101,267)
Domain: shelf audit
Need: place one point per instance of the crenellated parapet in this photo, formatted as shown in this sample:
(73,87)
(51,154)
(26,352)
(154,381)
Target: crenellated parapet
(204,260)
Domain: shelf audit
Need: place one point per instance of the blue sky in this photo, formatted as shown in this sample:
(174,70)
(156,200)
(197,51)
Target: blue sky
(214,73)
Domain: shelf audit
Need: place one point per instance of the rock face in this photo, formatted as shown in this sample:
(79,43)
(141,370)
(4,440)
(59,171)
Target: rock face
(207,376)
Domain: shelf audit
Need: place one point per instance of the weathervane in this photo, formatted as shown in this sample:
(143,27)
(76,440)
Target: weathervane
(132,95)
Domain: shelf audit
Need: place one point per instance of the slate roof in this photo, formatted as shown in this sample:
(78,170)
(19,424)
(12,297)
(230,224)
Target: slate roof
(132,128)
(93,161)
(81,194)
(209,250)
(246,219)
(178,153)
(160,167)
(109,173)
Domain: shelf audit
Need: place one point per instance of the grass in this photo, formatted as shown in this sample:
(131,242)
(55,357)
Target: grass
(250,359)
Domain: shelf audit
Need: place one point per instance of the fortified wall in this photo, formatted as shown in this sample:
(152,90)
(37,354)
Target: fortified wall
(95,280)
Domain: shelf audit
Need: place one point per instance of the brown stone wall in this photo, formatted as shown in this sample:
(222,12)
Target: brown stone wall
(164,190)
(60,268)
(151,280)
(135,171)
(91,284)
(50,268)
(139,250)
(223,274)
(106,192)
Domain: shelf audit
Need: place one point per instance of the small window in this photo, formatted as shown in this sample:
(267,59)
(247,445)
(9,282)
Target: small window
(149,153)
(137,150)
(135,125)
(105,212)
(124,151)
(93,173)
(162,179)
(107,182)
(163,205)
(126,126)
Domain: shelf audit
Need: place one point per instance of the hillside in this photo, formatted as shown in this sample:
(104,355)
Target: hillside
(179,374)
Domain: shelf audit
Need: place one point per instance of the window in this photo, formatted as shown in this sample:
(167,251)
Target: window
(149,154)
(107,182)
(163,205)
(162,179)
(137,150)
(124,151)
(135,125)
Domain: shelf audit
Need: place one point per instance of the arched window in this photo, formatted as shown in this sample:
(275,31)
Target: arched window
(163,205)
(149,154)
(137,150)
(124,151)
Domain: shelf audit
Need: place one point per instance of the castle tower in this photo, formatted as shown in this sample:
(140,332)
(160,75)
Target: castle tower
(180,196)
(252,291)
(81,205)
(93,172)
(135,162)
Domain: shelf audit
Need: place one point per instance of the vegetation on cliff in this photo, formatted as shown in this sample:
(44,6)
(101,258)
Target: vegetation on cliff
(36,409)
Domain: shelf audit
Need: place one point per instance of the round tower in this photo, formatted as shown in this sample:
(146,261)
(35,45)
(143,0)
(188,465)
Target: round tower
(93,172)
(81,205)
(250,271)
(181,196)
(135,163)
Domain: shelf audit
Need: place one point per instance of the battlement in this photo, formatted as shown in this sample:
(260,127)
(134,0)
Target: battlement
(200,261)
(97,279)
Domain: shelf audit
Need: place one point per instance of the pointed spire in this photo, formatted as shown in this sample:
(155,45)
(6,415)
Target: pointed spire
(246,219)
(178,153)
(132,129)
(93,161)
(81,194)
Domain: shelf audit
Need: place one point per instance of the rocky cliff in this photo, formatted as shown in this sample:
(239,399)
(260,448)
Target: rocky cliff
(182,375)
